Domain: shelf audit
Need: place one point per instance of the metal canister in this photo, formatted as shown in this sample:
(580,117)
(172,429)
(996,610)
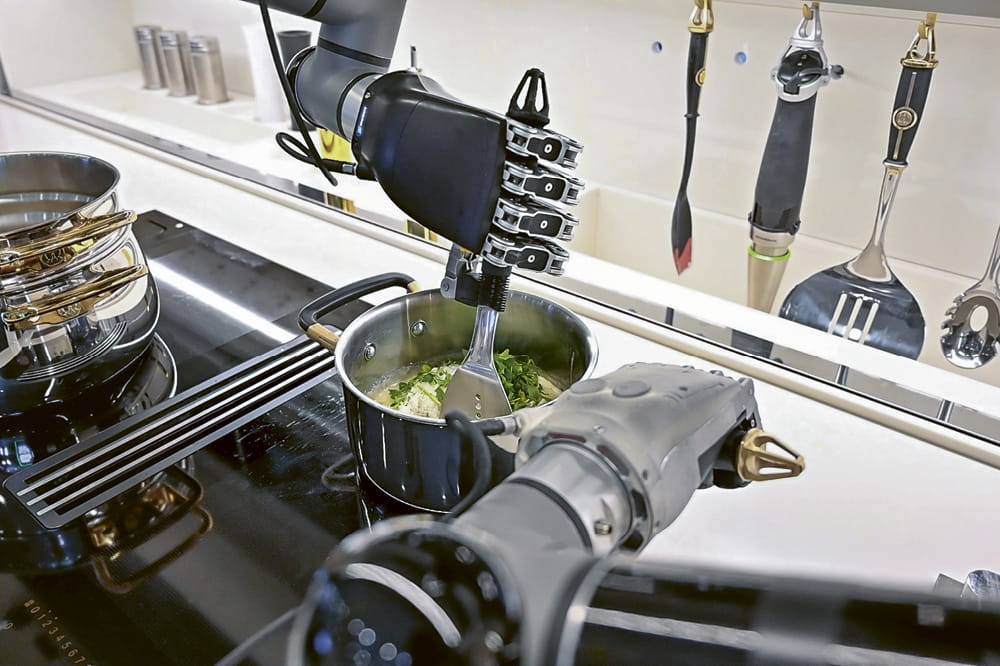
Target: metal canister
(209,78)
(151,56)
(177,63)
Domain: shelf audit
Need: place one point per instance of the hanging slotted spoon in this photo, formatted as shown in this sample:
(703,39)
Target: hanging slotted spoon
(964,344)
(862,300)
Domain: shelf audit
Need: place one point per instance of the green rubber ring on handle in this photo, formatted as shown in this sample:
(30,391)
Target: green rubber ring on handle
(763,257)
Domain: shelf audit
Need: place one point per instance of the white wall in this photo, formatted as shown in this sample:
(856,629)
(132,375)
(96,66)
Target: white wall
(49,41)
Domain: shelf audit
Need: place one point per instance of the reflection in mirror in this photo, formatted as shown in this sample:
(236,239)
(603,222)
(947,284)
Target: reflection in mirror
(626,102)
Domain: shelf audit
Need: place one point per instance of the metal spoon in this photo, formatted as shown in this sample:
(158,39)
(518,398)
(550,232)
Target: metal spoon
(963,344)
(476,390)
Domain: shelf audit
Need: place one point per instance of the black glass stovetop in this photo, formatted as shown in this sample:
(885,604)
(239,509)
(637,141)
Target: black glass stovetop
(275,502)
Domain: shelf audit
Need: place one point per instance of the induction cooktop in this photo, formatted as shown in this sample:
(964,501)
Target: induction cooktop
(252,515)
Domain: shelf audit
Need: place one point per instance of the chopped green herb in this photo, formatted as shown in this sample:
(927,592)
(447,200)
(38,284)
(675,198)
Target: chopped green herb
(518,374)
(437,377)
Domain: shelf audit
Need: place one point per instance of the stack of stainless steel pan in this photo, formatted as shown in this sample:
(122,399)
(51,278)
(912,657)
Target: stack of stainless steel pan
(77,304)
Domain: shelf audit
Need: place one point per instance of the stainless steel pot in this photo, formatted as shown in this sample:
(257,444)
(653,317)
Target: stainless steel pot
(77,305)
(420,461)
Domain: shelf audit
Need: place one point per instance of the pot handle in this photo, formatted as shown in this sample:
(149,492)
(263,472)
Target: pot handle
(123,585)
(51,252)
(167,500)
(309,315)
(72,303)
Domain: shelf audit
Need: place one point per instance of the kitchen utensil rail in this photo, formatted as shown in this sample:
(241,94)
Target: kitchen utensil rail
(85,475)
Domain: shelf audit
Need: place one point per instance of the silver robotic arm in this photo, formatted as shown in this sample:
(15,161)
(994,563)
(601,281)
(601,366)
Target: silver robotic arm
(354,48)
(355,45)
(604,468)
(537,572)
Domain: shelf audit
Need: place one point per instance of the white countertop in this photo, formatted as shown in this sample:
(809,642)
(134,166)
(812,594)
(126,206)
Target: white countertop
(874,503)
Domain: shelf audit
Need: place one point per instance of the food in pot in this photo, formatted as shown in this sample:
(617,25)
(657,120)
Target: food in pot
(421,390)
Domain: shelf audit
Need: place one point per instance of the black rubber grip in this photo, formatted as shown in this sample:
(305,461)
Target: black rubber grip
(782,177)
(495,286)
(907,112)
(697,52)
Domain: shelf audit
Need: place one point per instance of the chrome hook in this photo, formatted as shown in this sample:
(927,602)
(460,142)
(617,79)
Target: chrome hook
(810,28)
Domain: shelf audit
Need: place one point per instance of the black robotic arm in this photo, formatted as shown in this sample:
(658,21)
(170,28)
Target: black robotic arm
(483,180)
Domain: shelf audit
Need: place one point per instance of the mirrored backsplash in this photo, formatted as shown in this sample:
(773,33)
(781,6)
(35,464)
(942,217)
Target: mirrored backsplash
(616,74)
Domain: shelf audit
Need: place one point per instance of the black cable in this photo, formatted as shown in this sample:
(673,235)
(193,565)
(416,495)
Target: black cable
(343,469)
(492,426)
(304,151)
(295,148)
(481,461)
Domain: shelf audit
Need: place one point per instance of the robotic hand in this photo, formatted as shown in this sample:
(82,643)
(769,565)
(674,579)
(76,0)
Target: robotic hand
(481,180)
(485,181)
(608,465)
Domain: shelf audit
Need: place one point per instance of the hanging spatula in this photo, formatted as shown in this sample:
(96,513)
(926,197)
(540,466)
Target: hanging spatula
(964,343)
(862,300)
(701,24)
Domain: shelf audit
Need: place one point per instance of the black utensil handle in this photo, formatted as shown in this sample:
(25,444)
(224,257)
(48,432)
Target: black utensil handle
(697,53)
(327,303)
(782,177)
(695,79)
(907,112)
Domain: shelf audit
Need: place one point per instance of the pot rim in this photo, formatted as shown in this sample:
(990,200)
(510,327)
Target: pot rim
(47,154)
(360,321)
